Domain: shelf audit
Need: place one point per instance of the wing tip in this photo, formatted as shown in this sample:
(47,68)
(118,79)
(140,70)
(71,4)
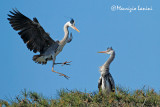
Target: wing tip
(14,11)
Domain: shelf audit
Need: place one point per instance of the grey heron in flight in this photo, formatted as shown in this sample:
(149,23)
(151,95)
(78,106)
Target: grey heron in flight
(106,82)
(37,40)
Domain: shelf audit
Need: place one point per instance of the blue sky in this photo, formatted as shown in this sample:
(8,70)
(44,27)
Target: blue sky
(134,36)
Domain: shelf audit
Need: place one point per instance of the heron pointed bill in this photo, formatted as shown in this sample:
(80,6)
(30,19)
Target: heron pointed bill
(102,52)
(75,29)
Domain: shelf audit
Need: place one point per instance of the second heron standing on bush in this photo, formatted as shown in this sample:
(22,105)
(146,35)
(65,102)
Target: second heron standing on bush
(106,82)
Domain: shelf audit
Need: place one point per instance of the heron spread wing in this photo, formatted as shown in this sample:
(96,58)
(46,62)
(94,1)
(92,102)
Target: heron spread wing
(31,32)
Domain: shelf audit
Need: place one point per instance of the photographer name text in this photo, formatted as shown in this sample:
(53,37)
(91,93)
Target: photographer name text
(131,8)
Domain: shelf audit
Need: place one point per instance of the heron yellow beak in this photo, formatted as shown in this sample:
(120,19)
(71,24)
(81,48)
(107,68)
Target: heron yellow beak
(102,52)
(75,29)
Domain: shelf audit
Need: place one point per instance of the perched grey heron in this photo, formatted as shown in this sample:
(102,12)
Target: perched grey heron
(37,40)
(106,82)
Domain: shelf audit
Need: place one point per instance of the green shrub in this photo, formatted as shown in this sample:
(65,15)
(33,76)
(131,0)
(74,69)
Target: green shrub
(73,98)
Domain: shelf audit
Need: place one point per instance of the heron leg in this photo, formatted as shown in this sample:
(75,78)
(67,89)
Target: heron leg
(64,63)
(53,64)
(60,74)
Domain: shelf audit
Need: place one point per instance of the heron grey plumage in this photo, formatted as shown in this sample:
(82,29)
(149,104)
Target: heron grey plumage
(106,82)
(36,39)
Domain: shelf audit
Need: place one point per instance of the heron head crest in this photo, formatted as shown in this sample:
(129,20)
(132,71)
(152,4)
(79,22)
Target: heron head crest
(72,21)
(72,25)
(109,48)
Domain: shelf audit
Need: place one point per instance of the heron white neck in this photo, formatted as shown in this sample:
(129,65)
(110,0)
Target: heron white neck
(110,59)
(66,32)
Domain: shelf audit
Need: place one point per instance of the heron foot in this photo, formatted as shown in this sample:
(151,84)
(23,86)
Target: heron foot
(64,63)
(60,74)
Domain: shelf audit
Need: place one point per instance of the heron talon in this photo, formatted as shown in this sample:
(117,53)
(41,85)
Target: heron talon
(66,63)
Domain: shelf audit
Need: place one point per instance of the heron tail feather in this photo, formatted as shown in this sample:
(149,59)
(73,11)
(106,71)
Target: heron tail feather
(39,59)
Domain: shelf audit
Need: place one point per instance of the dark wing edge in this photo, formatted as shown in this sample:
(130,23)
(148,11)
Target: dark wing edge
(30,31)
(111,82)
(100,83)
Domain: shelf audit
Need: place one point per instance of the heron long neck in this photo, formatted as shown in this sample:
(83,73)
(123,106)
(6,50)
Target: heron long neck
(110,59)
(63,41)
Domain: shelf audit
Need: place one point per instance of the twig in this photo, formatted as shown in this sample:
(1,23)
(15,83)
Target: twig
(67,77)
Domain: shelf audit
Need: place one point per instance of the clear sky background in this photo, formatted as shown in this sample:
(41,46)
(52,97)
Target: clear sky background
(134,36)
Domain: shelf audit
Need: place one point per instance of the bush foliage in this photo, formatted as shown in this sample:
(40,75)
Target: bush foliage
(74,98)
